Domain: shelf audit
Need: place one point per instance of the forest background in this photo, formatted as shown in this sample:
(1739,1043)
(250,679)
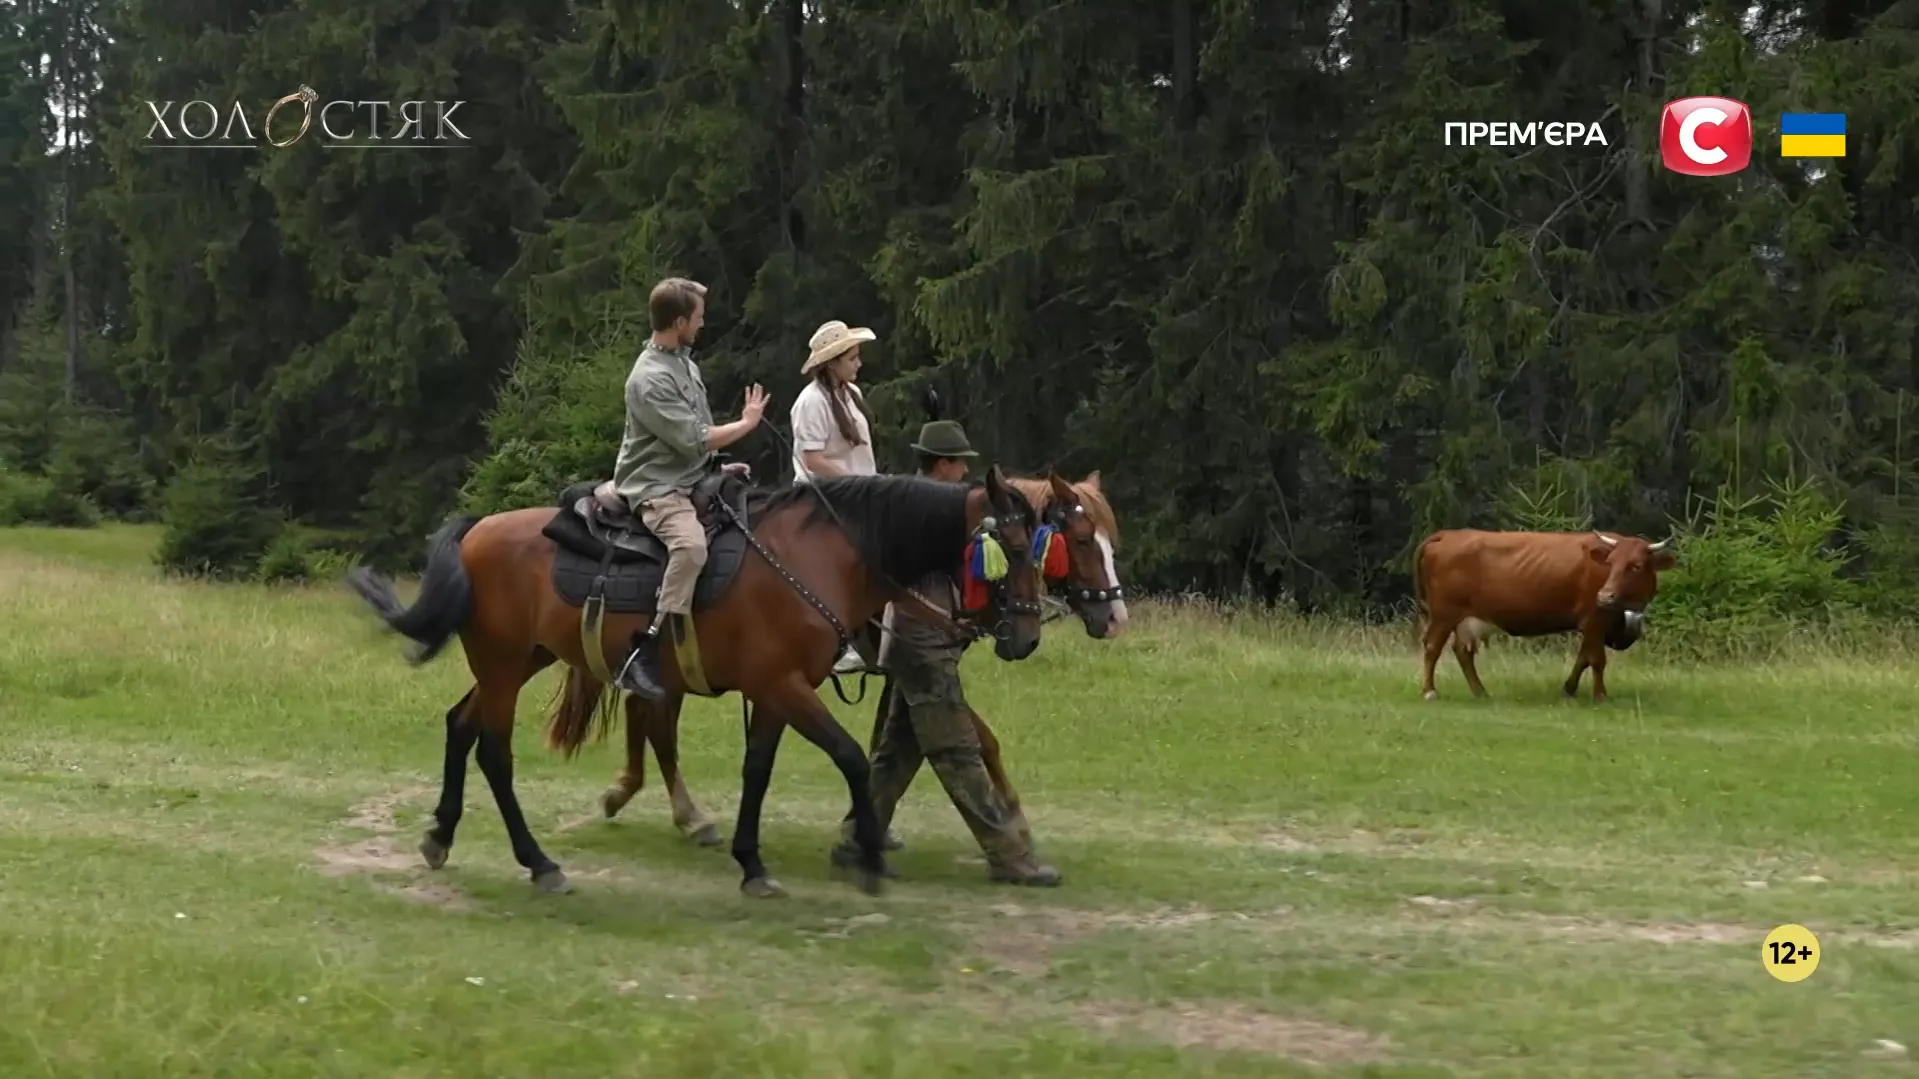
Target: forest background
(1217,250)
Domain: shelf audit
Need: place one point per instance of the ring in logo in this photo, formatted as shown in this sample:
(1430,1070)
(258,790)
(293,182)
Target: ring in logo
(306,96)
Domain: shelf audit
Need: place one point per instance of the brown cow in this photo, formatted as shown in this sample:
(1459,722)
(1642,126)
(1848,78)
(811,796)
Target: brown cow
(1529,584)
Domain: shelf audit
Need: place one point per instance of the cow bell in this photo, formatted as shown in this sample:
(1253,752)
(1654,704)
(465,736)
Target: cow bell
(1632,625)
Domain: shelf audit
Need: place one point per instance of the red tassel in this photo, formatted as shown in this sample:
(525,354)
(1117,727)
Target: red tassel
(972,589)
(1055,566)
(973,593)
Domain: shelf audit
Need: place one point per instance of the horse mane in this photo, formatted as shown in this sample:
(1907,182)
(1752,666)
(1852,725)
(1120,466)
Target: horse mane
(1098,510)
(904,527)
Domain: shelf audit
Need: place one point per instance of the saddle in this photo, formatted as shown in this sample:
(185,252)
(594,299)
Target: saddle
(610,522)
(603,549)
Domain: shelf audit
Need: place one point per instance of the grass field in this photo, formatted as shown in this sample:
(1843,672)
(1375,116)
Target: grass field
(1279,862)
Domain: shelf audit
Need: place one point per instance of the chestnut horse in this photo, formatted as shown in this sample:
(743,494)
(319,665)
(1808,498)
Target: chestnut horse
(1085,522)
(770,632)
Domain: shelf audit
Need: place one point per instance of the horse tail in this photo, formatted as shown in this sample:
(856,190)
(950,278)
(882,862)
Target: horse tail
(446,593)
(580,707)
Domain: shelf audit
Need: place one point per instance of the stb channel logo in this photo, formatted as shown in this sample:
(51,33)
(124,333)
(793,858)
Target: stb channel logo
(1705,136)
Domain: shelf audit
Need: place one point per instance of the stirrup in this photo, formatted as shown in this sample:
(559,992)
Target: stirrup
(620,680)
(624,681)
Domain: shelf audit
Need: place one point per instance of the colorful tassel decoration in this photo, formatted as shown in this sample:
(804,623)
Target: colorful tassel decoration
(988,559)
(1049,553)
(985,561)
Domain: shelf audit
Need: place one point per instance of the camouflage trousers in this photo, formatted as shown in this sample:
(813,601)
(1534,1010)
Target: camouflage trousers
(928,719)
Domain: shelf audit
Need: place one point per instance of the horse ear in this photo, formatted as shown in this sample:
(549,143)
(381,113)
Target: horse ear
(1092,479)
(1062,490)
(995,483)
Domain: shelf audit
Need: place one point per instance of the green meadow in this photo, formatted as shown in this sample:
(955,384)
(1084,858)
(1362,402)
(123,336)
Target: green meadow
(1279,862)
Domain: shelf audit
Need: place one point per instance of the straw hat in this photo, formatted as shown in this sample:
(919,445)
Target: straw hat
(831,339)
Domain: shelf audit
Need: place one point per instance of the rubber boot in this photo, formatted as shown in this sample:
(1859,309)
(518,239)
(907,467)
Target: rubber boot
(890,841)
(1023,870)
(846,855)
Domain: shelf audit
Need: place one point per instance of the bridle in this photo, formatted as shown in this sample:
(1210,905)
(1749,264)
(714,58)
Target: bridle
(998,599)
(1061,516)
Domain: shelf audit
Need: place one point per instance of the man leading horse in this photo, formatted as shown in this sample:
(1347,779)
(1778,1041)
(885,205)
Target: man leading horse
(927,717)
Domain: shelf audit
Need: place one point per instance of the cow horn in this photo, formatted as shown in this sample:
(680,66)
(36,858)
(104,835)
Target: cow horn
(1660,546)
(1607,540)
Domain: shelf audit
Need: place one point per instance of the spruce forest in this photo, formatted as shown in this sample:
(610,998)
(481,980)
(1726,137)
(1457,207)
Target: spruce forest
(1218,250)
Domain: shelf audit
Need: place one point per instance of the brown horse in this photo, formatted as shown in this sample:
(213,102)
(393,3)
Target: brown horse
(768,627)
(1086,523)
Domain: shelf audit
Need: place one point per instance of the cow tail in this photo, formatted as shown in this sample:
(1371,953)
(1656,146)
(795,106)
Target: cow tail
(1422,604)
(1419,581)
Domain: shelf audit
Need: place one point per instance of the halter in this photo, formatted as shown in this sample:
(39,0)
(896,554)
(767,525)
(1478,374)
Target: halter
(1049,555)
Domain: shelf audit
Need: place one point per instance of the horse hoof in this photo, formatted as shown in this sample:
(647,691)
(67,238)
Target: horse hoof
(434,852)
(1432,694)
(892,841)
(552,882)
(706,835)
(763,888)
(612,801)
(873,882)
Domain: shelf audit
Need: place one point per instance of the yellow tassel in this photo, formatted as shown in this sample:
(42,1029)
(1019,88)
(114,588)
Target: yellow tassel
(995,559)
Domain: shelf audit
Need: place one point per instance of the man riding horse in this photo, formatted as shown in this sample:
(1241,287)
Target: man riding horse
(668,447)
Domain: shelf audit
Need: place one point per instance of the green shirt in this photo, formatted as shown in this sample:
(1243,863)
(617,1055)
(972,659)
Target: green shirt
(668,422)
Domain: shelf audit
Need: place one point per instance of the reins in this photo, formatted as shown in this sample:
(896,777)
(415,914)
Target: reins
(972,630)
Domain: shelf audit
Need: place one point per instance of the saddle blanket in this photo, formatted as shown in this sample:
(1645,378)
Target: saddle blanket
(637,561)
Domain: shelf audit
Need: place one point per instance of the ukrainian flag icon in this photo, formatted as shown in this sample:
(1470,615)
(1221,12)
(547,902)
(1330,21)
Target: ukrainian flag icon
(1812,134)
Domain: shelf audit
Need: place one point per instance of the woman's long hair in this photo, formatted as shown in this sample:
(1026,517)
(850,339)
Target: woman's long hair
(836,397)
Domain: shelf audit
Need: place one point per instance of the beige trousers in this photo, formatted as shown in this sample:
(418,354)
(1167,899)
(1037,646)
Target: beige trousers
(671,518)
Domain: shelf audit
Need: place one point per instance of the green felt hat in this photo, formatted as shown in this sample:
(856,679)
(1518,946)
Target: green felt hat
(944,438)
